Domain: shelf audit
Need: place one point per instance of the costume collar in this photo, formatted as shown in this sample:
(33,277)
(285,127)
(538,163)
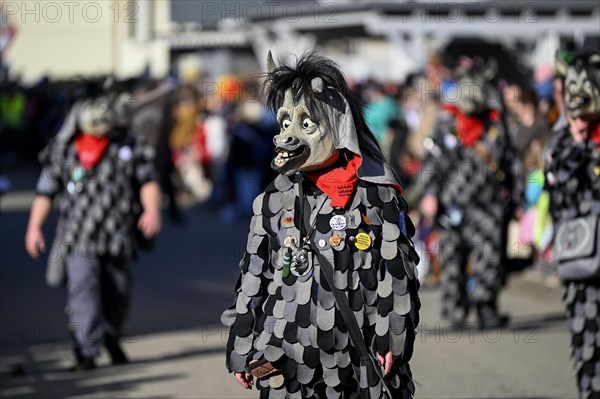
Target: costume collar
(470,128)
(340,182)
(90,149)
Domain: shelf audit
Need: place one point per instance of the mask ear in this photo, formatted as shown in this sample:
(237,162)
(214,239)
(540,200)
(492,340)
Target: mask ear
(270,63)
(560,65)
(491,69)
(595,60)
(317,85)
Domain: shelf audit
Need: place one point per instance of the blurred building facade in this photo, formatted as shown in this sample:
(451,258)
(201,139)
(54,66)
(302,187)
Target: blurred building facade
(380,40)
(65,39)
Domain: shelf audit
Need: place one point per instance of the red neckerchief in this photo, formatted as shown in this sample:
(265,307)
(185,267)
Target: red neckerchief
(90,149)
(338,183)
(595,135)
(470,128)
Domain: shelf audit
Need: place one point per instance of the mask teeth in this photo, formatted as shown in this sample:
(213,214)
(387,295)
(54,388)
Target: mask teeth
(280,160)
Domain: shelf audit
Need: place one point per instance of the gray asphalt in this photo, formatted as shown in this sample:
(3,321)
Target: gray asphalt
(182,287)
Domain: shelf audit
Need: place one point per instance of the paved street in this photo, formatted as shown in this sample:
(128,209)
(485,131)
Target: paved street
(177,348)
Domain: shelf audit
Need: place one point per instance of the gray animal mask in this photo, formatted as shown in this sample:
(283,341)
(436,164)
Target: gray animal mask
(476,94)
(319,119)
(96,116)
(582,85)
(303,144)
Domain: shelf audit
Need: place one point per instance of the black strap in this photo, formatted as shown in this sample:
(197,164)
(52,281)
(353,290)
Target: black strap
(354,331)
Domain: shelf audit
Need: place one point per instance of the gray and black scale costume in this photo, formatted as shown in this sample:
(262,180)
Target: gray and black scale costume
(294,321)
(95,241)
(575,191)
(473,198)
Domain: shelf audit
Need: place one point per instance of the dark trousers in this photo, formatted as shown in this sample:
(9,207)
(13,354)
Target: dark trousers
(98,299)
(481,241)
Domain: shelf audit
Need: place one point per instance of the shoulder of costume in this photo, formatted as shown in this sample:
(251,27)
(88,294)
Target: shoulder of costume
(56,150)
(280,183)
(377,172)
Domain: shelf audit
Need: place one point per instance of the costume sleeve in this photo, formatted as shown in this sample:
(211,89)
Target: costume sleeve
(243,317)
(50,181)
(398,302)
(143,157)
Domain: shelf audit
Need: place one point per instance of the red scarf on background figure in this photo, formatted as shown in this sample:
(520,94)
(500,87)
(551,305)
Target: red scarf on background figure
(595,135)
(470,128)
(90,149)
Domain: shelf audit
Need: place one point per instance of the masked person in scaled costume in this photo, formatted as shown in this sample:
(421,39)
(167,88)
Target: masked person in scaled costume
(573,180)
(104,182)
(468,185)
(328,294)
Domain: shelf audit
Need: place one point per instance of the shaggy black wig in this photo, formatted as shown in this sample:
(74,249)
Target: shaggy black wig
(581,61)
(298,78)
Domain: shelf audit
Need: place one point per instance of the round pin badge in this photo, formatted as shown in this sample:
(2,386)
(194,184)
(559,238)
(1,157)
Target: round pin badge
(335,241)
(78,173)
(125,153)
(337,222)
(71,187)
(362,241)
(290,242)
(287,220)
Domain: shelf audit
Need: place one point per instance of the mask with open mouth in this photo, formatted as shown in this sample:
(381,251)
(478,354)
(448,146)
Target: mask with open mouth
(320,119)
(304,143)
(582,85)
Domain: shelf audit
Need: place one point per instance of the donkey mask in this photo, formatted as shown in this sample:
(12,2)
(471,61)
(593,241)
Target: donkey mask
(582,85)
(476,92)
(320,120)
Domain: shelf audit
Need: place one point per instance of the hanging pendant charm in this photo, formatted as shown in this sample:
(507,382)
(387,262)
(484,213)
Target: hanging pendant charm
(301,262)
(287,261)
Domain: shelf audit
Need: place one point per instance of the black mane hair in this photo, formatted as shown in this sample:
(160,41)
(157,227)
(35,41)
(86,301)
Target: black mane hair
(298,78)
(581,62)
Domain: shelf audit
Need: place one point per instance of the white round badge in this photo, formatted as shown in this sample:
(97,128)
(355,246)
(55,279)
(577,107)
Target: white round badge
(125,153)
(337,222)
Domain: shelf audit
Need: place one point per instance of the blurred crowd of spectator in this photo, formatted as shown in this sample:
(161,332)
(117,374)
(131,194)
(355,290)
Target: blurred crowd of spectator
(216,140)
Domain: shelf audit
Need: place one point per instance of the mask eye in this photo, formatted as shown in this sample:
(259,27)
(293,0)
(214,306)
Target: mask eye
(572,87)
(285,124)
(307,123)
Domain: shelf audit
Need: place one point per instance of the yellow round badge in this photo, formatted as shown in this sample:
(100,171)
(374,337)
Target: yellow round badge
(362,241)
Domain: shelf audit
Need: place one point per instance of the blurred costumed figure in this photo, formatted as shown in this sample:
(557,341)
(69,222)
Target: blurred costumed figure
(105,187)
(327,302)
(573,180)
(467,172)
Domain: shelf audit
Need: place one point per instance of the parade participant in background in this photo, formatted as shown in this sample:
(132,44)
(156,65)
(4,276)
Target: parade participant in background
(327,302)
(104,181)
(466,178)
(573,179)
